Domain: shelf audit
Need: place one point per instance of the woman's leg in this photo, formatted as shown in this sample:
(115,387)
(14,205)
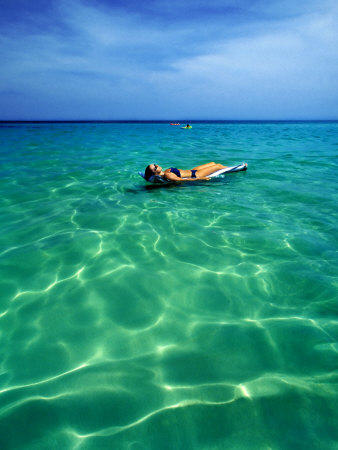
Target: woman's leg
(203,166)
(209,170)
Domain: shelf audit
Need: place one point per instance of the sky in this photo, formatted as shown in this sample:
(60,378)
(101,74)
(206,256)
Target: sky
(134,60)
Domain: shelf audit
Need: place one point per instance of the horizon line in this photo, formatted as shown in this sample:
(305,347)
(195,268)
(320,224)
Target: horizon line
(157,120)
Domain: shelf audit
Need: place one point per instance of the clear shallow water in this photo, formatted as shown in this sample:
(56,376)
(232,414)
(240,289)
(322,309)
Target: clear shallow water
(195,316)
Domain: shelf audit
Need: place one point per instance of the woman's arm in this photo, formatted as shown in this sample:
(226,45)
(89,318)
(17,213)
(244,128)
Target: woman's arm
(195,179)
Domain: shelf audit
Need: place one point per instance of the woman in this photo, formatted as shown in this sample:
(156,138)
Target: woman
(174,174)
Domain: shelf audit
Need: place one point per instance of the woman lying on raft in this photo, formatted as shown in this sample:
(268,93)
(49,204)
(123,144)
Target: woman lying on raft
(172,174)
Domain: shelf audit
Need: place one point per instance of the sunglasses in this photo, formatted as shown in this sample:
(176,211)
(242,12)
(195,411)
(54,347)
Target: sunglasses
(155,167)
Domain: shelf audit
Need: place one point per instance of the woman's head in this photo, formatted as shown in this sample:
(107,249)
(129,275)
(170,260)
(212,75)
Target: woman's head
(151,170)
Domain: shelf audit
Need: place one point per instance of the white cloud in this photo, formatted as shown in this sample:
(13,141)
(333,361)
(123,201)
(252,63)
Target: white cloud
(293,67)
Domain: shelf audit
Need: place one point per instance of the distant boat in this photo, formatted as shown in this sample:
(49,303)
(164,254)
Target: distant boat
(175,124)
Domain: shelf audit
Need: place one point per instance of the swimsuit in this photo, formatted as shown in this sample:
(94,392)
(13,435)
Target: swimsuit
(175,171)
(178,173)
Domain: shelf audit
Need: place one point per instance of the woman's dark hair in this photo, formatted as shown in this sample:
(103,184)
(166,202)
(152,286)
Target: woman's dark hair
(148,173)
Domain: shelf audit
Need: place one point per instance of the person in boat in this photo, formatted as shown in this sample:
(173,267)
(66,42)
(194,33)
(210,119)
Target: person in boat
(173,174)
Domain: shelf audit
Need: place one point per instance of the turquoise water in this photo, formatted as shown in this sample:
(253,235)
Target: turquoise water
(199,316)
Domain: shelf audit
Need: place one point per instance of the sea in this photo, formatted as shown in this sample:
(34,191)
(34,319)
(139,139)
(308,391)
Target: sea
(202,315)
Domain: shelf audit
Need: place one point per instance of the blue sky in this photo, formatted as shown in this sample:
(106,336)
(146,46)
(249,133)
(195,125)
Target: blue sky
(215,59)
